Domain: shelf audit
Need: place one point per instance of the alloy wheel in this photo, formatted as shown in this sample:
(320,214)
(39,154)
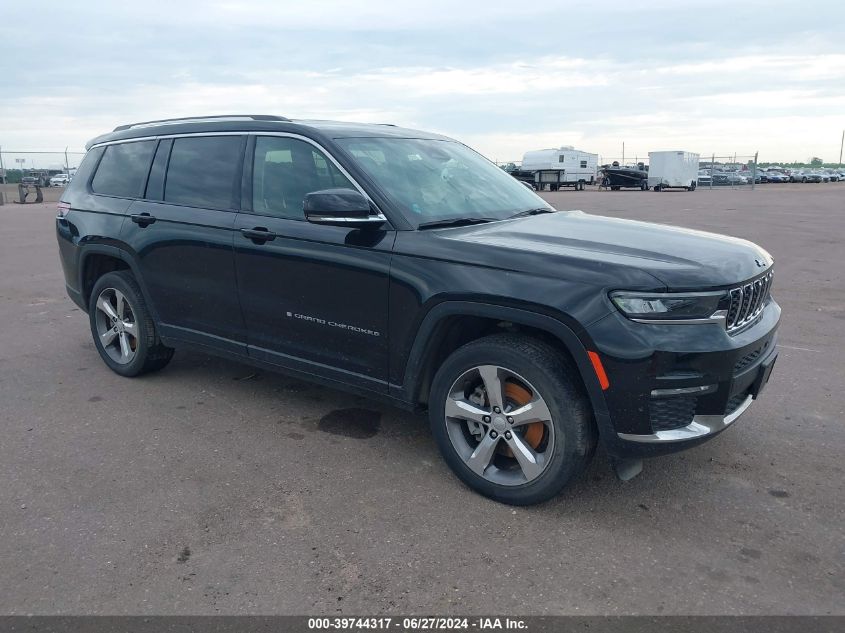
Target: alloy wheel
(117,328)
(499,425)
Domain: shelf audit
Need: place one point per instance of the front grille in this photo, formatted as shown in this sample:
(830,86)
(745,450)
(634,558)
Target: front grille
(750,358)
(748,301)
(666,414)
(746,360)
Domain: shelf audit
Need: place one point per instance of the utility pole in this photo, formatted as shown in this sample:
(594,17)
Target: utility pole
(623,153)
(754,171)
(712,169)
(67,165)
(841,143)
(2,169)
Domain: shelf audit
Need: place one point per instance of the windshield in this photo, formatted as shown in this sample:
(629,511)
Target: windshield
(432,180)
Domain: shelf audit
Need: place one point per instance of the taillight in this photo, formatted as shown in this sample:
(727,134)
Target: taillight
(62,209)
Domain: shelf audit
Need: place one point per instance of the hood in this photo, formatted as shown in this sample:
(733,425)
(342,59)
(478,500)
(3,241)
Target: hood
(682,259)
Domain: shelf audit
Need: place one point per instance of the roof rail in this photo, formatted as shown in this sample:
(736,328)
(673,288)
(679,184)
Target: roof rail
(191,119)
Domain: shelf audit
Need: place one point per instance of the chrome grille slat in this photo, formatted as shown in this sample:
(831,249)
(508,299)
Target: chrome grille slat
(755,293)
(733,310)
(747,302)
(748,292)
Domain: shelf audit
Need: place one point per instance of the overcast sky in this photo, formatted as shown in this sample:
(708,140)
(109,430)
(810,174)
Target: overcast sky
(504,77)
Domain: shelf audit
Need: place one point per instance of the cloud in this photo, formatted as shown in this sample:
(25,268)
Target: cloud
(504,78)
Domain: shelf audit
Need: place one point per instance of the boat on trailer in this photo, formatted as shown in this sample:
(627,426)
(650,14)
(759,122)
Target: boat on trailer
(617,177)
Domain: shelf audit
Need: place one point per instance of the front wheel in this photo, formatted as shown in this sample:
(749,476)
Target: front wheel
(122,327)
(510,418)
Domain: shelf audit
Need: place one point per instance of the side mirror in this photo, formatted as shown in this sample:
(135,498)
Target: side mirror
(340,207)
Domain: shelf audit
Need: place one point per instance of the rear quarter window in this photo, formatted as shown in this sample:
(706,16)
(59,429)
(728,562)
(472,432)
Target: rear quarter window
(123,169)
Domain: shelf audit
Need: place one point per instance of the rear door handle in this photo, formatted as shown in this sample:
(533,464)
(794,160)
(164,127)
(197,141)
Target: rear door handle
(142,219)
(259,234)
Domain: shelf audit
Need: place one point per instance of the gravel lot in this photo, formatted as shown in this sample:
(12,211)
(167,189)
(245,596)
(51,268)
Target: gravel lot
(215,488)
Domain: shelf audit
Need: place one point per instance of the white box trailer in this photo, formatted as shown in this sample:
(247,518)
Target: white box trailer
(561,167)
(673,169)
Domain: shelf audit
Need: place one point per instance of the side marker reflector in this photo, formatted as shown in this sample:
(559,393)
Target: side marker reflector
(599,369)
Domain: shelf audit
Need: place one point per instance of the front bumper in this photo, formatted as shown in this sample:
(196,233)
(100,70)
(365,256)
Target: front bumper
(675,386)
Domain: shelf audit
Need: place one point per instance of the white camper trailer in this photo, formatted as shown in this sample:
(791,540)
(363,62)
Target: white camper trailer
(561,167)
(672,169)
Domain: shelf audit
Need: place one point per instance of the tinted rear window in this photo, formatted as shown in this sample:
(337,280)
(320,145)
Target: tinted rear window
(123,169)
(204,171)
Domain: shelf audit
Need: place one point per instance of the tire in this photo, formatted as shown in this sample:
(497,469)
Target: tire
(643,186)
(134,347)
(528,371)
(614,187)
(657,187)
(692,187)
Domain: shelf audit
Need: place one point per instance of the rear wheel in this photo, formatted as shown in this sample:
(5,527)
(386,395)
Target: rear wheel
(510,418)
(122,328)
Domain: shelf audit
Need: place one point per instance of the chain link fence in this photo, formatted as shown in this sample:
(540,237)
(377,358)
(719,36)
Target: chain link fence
(41,165)
(736,171)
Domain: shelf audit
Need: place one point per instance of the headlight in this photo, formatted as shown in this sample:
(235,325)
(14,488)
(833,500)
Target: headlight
(693,307)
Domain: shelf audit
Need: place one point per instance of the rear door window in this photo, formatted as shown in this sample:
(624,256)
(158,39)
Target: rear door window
(205,171)
(123,169)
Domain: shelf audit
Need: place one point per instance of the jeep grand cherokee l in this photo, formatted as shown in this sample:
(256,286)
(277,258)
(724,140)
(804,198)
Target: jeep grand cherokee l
(403,265)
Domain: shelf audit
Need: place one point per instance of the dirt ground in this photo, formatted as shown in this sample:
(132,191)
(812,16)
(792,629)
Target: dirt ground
(212,487)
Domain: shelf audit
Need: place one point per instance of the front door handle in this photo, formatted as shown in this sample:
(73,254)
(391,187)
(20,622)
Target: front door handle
(142,219)
(259,234)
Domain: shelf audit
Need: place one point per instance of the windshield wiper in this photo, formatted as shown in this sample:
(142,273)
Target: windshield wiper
(536,211)
(454,222)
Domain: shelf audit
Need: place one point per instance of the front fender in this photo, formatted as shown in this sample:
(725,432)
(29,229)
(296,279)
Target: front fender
(576,341)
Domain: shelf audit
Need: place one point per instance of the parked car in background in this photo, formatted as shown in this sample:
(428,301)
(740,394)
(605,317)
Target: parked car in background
(776,176)
(811,176)
(59,180)
(36,178)
(704,177)
(720,178)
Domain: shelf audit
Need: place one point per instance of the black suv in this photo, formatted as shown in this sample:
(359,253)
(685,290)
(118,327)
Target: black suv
(404,265)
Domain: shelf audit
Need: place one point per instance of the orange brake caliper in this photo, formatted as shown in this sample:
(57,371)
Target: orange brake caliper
(520,396)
